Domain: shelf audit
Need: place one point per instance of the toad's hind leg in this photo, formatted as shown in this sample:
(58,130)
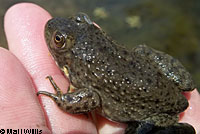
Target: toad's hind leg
(79,101)
(166,65)
(148,128)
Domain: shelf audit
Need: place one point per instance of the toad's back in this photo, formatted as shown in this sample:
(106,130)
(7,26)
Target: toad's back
(133,84)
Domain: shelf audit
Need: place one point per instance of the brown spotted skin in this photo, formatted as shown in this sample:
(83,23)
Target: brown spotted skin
(141,87)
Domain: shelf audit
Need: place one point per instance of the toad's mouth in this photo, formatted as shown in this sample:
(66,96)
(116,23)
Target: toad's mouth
(65,71)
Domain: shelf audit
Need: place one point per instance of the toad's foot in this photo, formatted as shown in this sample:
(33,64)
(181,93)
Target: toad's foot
(56,88)
(148,128)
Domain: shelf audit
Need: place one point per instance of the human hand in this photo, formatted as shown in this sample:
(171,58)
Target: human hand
(23,76)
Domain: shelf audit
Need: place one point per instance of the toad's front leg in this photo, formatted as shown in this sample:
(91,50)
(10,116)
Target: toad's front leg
(80,101)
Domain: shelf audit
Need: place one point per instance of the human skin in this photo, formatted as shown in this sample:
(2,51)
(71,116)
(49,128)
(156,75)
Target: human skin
(23,70)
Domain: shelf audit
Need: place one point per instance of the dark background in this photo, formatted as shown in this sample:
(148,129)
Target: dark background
(172,26)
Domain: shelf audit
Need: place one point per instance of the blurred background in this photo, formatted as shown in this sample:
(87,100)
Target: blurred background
(170,26)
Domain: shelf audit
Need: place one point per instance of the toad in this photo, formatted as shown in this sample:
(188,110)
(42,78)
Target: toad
(141,87)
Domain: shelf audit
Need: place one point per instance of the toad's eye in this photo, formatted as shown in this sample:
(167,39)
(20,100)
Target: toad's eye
(59,40)
(82,18)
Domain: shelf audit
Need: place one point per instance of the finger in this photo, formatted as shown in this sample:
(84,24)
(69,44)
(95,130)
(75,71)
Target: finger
(19,106)
(108,127)
(192,114)
(25,34)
